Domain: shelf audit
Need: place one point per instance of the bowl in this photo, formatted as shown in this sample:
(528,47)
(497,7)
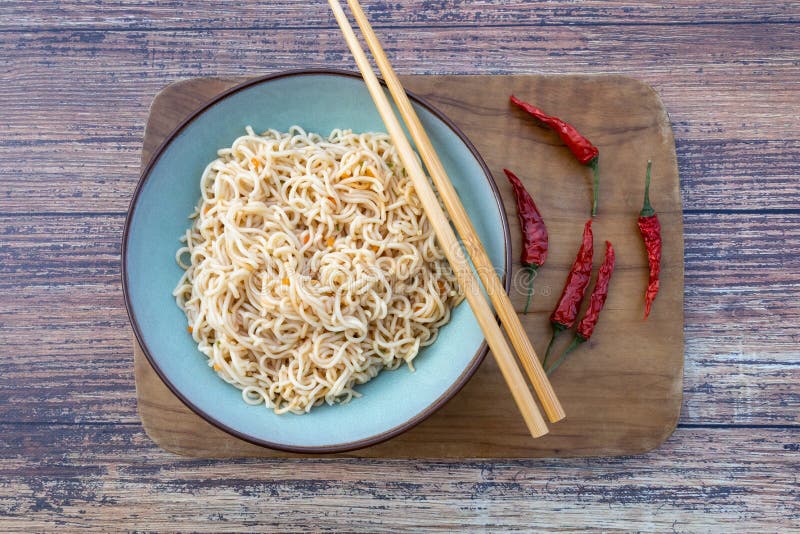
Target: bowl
(318,101)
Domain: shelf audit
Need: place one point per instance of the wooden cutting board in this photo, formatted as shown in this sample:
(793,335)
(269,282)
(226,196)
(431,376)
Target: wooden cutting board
(622,390)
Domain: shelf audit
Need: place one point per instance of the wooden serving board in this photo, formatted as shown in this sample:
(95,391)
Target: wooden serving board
(622,390)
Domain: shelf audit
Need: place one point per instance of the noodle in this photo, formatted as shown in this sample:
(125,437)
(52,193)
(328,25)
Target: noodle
(310,266)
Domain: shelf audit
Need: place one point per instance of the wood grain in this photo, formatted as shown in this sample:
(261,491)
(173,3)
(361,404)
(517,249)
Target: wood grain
(115,478)
(624,396)
(190,14)
(747,137)
(76,81)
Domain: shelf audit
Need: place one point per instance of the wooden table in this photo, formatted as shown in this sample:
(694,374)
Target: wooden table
(75,85)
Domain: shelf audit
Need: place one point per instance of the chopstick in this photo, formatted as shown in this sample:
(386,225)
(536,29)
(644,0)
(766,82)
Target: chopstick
(461,220)
(447,238)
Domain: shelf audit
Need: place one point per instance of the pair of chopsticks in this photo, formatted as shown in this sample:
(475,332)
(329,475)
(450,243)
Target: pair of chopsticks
(447,238)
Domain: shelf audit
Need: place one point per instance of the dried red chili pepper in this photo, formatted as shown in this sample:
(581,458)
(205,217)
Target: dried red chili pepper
(598,300)
(583,150)
(568,306)
(650,228)
(534,232)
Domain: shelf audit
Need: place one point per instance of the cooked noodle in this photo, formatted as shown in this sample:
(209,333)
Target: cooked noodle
(310,266)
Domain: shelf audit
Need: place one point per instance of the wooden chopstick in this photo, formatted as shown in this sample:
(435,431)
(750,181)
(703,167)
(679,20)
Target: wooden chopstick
(447,238)
(461,220)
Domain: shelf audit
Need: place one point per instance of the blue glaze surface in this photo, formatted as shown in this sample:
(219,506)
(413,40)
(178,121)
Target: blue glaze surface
(318,103)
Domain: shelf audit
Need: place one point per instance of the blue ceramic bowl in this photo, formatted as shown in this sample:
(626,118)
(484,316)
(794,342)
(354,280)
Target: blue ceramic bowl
(318,101)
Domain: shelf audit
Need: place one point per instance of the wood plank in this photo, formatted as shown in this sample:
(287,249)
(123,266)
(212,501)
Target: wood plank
(747,137)
(151,14)
(761,58)
(734,277)
(725,174)
(114,477)
(703,479)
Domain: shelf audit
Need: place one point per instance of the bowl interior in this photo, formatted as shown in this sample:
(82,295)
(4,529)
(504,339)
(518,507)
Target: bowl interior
(318,102)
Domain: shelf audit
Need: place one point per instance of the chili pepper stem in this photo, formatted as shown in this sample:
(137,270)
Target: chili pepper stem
(596,188)
(531,270)
(572,346)
(549,348)
(647,209)
(557,329)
